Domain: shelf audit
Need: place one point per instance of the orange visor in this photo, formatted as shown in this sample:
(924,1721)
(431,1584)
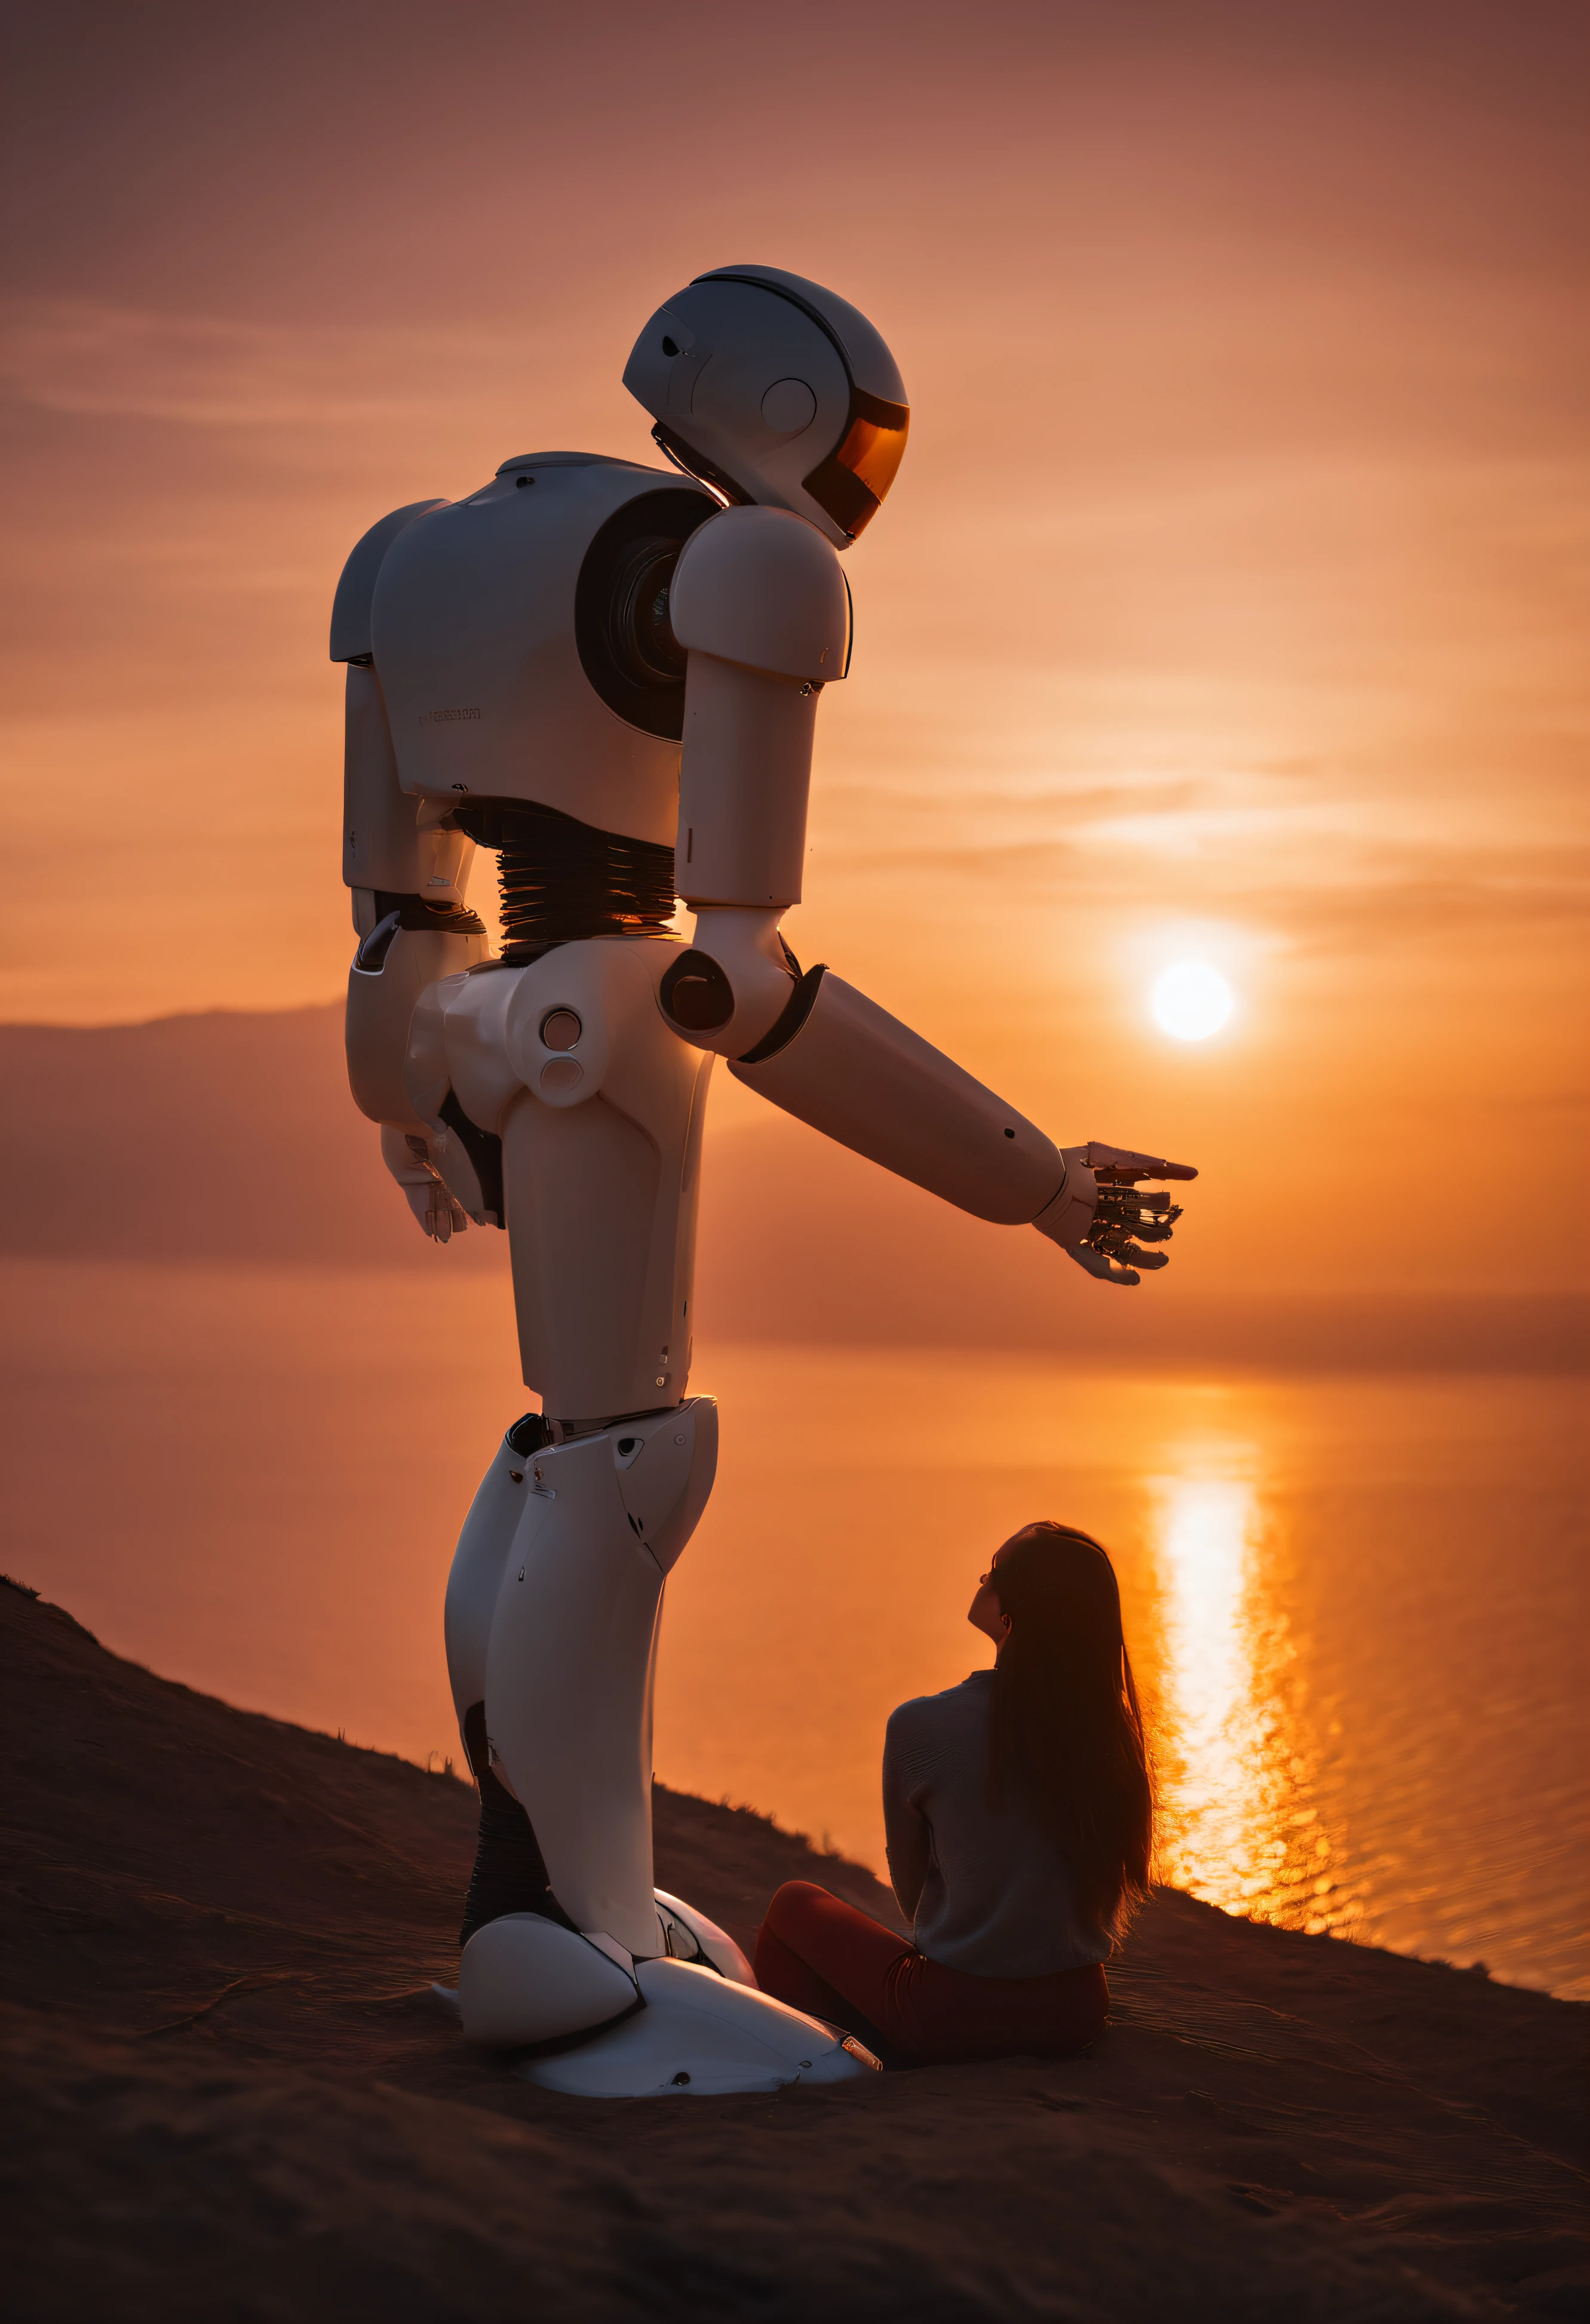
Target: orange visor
(850,483)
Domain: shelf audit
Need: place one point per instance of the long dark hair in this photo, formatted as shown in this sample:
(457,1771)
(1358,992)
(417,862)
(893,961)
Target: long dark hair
(1067,1726)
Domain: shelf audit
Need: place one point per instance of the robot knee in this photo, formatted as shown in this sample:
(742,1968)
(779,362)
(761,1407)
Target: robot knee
(665,1465)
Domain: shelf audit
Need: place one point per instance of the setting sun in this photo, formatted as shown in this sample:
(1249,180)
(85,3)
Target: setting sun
(1191,1000)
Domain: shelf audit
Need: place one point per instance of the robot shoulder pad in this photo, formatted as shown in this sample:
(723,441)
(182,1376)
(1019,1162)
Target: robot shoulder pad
(760,586)
(350,609)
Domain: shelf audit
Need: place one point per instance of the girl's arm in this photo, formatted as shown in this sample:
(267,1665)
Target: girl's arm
(908,1838)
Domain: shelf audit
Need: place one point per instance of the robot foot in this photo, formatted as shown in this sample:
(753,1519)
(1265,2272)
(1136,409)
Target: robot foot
(652,2028)
(688,1935)
(699,2035)
(525,1979)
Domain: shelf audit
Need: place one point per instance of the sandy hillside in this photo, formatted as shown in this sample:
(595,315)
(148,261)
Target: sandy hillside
(228,2097)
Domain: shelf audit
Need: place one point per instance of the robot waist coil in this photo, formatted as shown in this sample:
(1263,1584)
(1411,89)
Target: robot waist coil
(562,880)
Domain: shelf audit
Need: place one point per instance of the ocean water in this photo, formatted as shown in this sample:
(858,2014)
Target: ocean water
(1355,1602)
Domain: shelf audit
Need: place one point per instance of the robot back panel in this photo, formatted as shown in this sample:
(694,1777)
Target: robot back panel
(522,644)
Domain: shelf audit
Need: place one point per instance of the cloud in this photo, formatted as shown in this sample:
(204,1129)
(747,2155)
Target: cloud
(94,361)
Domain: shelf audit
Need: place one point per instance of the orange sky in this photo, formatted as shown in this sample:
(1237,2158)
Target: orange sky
(1226,603)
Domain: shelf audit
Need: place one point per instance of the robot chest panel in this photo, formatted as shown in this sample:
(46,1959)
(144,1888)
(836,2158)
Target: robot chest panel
(522,640)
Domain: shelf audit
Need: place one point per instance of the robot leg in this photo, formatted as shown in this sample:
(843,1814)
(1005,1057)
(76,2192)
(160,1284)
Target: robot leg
(666,1997)
(508,1873)
(571,1655)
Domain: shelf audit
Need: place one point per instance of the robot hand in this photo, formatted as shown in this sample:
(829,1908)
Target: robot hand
(1101,1209)
(437,1214)
(435,1211)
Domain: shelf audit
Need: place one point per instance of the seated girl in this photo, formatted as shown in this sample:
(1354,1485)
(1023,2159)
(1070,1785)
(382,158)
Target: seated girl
(1019,1811)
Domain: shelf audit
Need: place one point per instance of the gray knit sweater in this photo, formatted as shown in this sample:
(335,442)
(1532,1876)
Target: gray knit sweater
(984,1886)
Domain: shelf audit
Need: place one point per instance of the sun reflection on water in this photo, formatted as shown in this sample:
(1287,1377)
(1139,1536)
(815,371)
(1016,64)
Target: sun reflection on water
(1238,1825)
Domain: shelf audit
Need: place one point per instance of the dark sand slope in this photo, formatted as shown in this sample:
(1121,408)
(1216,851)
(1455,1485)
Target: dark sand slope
(227,2096)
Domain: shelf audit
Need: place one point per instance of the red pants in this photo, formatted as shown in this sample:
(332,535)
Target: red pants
(821,1955)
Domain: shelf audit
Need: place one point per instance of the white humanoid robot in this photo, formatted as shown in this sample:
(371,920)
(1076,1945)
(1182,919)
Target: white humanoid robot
(523,667)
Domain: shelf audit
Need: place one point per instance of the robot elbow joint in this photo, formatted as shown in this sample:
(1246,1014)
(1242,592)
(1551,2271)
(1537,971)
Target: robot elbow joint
(730,1015)
(696,996)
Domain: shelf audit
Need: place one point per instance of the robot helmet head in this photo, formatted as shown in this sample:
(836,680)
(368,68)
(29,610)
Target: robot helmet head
(772,390)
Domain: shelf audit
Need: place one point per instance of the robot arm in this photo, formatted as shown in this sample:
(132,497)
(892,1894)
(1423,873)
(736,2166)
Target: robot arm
(862,1077)
(760,606)
(394,849)
(408,871)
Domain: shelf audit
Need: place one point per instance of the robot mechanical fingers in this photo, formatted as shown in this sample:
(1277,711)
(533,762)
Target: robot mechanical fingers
(1122,1211)
(1100,1210)
(1119,1165)
(407,1154)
